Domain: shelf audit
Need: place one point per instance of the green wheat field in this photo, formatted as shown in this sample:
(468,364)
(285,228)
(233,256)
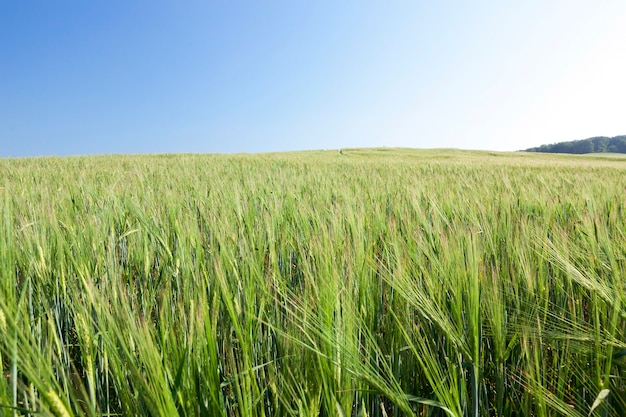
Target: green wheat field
(371,282)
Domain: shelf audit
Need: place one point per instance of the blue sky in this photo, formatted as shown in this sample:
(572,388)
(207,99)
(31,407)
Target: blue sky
(92,77)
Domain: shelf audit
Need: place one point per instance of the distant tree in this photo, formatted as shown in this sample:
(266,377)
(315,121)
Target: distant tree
(600,143)
(592,145)
(582,146)
(619,144)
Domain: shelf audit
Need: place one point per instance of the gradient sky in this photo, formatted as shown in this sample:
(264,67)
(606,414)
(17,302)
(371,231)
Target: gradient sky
(91,77)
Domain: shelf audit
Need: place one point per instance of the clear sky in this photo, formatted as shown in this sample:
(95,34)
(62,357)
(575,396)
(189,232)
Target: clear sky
(91,77)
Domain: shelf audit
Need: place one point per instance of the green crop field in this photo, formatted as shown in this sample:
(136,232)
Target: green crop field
(372,282)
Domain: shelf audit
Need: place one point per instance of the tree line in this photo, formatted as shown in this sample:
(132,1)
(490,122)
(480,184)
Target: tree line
(597,144)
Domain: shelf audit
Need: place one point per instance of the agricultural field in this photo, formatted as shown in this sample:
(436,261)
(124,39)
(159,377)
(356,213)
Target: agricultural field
(371,282)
